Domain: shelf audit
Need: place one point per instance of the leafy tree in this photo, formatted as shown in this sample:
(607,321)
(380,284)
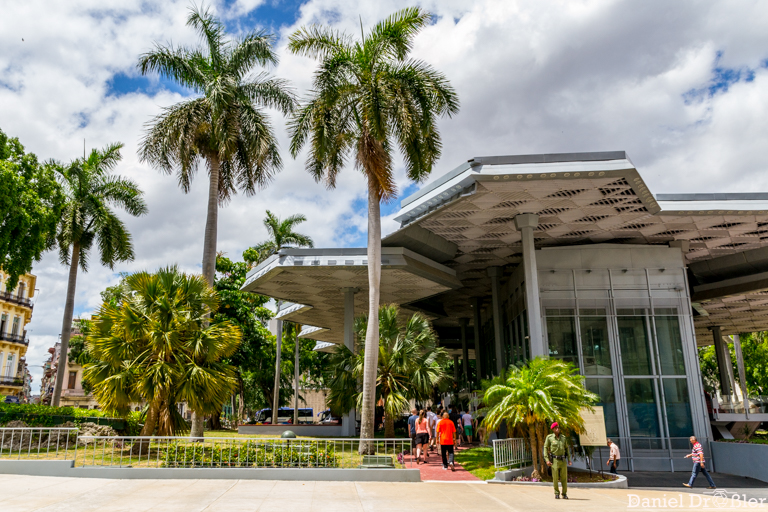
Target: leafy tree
(91,190)
(369,98)
(534,395)
(754,348)
(156,346)
(410,365)
(30,206)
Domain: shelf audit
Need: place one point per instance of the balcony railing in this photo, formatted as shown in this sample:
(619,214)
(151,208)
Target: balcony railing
(14,338)
(16,299)
(11,381)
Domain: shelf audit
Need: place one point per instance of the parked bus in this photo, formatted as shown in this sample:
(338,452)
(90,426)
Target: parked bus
(284,415)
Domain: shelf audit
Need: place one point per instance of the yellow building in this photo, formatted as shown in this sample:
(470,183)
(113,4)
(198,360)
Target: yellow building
(15,314)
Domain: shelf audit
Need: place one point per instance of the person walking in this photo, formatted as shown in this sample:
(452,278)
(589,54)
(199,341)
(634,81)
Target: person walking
(432,418)
(466,419)
(422,436)
(614,457)
(697,455)
(412,429)
(454,416)
(556,454)
(446,430)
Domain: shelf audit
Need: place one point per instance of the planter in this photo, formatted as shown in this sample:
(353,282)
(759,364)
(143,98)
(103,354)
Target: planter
(741,459)
(504,477)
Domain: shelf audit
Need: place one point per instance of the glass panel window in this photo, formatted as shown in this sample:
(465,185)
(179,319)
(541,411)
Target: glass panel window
(678,408)
(604,389)
(9,366)
(15,326)
(641,408)
(561,333)
(635,351)
(594,344)
(670,345)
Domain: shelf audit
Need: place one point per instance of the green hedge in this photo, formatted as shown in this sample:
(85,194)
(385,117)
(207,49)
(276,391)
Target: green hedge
(185,455)
(45,416)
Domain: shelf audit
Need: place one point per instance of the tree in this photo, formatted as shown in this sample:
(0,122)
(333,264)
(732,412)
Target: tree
(90,191)
(281,234)
(225,126)
(754,348)
(157,346)
(410,366)
(369,98)
(533,395)
(30,206)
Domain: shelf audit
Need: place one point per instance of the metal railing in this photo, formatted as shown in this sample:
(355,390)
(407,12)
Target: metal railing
(226,452)
(652,453)
(14,338)
(510,452)
(37,443)
(16,298)
(11,381)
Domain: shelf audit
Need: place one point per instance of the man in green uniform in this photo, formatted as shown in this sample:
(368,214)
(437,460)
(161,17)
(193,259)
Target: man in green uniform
(556,455)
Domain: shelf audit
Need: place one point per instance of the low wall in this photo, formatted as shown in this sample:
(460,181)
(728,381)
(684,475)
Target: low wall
(505,477)
(299,430)
(741,459)
(66,468)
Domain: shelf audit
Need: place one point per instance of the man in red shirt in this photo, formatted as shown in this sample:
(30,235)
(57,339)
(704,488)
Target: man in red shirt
(446,430)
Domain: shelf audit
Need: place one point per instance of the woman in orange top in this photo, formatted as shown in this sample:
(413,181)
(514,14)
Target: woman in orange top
(445,434)
(422,436)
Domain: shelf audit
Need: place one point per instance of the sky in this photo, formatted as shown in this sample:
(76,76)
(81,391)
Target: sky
(680,86)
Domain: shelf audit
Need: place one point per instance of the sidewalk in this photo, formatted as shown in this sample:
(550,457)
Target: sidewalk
(433,470)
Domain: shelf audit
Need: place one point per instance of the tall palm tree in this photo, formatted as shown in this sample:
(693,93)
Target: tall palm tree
(91,192)
(157,346)
(281,234)
(531,396)
(225,127)
(410,366)
(368,99)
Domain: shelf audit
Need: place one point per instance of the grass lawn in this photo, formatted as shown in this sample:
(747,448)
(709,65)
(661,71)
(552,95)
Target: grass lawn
(478,461)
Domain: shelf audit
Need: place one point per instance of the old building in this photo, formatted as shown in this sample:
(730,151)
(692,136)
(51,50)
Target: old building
(15,313)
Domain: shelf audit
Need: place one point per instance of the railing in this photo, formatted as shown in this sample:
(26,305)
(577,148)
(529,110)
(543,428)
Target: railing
(657,453)
(14,338)
(510,452)
(11,381)
(37,443)
(224,452)
(12,297)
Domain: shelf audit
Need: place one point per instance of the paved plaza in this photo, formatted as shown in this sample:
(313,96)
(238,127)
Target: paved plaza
(26,494)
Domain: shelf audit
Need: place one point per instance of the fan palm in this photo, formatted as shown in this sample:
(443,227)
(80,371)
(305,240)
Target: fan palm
(368,99)
(410,366)
(91,192)
(225,126)
(544,390)
(281,234)
(157,346)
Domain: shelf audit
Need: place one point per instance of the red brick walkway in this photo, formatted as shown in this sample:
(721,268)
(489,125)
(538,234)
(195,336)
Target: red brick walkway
(433,469)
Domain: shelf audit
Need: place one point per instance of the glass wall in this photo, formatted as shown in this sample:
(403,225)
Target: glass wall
(635,350)
(561,335)
(670,343)
(604,389)
(595,343)
(642,410)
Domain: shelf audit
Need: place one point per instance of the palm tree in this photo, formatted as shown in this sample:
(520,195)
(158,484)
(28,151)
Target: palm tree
(542,391)
(157,346)
(91,191)
(369,98)
(410,366)
(281,234)
(225,126)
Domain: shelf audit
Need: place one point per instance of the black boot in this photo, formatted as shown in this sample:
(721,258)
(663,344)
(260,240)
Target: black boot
(557,496)
(565,496)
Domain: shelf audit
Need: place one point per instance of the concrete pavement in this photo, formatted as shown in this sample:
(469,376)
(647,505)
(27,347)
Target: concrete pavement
(26,494)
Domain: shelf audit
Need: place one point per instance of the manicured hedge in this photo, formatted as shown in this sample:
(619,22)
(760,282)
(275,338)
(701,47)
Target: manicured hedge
(46,416)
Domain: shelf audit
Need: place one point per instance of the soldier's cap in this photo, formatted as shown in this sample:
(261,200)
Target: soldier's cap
(553,426)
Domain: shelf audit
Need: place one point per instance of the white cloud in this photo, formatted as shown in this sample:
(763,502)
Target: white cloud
(547,76)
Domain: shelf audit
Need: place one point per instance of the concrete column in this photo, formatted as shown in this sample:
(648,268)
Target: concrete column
(498,331)
(278,348)
(526,223)
(722,365)
(349,420)
(476,328)
(464,350)
(742,372)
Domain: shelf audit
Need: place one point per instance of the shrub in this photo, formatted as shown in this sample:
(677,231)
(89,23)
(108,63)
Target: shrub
(35,415)
(246,455)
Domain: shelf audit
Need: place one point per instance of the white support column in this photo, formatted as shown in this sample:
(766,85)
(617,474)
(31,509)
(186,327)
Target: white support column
(464,350)
(278,353)
(476,329)
(498,332)
(349,420)
(526,223)
(742,373)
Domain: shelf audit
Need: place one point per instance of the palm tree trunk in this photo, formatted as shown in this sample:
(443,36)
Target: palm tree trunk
(542,436)
(209,259)
(389,426)
(150,423)
(66,324)
(535,454)
(241,400)
(372,332)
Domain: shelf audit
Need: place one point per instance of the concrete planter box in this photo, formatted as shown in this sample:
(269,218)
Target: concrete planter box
(741,459)
(66,468)
(505,477)
(300,430)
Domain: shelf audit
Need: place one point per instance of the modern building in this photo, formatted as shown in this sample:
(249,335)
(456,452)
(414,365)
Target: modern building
(15,313)
(567,256)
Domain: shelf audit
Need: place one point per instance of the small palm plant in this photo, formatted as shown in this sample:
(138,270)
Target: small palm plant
(533,395)
(410,366)
(156,346)
(281,235)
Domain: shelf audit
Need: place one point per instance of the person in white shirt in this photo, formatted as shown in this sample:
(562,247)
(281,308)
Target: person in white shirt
(466,420)
(614,457)
(432,419)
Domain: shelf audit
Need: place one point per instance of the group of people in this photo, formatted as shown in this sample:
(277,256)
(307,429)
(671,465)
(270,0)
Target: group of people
(429,429)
